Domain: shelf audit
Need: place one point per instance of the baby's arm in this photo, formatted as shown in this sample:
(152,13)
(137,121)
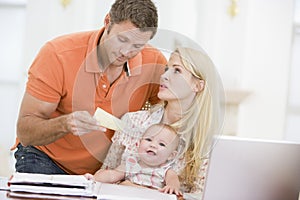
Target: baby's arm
(129,183)
(172,183)
(110,175)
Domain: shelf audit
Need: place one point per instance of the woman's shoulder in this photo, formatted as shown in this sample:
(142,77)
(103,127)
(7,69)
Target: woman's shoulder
(154,113)
(136,113)
(135,125)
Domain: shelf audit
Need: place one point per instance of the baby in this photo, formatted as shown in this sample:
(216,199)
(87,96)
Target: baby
(151,166)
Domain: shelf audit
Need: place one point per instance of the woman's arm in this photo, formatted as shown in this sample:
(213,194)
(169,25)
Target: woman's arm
(113,157)
(121,140)
(201,178)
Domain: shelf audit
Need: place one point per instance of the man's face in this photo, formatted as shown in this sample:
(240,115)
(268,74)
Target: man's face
(123,41)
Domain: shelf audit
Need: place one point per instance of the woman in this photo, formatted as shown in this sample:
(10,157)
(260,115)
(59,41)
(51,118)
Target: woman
(193,98)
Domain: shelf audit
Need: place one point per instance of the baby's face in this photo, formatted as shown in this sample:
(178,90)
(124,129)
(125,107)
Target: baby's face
(157,145)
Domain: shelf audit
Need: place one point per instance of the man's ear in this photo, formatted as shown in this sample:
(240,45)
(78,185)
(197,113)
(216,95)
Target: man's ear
(106,20)
(198,85)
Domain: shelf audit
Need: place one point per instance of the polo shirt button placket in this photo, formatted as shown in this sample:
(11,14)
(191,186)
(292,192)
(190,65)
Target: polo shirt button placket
(105,89)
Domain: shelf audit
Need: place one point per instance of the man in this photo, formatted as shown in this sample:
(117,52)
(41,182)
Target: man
(74,74)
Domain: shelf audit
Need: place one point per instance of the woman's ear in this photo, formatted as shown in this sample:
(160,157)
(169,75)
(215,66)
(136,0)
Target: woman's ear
(199,85)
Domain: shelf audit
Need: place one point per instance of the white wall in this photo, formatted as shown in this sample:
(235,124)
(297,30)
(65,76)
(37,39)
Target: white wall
(293,108)
(265,68)
(251,51)
(47,19)
(12,22)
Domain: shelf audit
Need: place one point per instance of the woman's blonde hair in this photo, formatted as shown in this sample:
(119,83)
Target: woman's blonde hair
(204,119)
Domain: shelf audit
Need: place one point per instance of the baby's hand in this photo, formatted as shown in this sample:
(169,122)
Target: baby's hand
(89,176)
(171,190)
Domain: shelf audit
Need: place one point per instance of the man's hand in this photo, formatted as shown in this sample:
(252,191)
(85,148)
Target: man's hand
(35,125)
(81,122)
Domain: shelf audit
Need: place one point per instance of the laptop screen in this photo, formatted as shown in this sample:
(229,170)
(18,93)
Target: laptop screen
(252,169)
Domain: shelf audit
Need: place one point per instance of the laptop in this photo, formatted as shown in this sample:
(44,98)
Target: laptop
(253,169)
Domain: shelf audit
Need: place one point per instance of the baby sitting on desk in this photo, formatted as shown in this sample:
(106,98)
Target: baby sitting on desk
(150,166)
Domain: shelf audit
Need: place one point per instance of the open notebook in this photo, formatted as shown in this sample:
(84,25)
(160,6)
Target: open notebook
(49,186)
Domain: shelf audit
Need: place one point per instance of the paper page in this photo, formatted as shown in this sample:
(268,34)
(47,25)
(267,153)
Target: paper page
(108,120)
(23,195)
(51,190)
(73,180)
(191,196)
(3,183)
(73,185)
(122,192)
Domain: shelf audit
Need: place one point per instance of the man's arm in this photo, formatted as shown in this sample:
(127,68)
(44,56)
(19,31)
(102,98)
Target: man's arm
(35,127)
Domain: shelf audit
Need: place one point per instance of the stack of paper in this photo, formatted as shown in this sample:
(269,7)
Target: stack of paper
(73,185)
(68,186)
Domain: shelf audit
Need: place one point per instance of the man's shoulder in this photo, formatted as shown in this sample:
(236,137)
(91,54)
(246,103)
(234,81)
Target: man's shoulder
(72,41)
(152,52)
(150,48)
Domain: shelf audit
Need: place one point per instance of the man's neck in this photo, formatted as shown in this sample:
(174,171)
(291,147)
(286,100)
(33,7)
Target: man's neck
(113,73)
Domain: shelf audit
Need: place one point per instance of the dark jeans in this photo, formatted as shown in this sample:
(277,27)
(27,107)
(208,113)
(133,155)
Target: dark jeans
(31,160)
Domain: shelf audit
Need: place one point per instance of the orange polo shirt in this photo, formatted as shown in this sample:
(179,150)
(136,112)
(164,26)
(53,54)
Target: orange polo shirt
(66,72)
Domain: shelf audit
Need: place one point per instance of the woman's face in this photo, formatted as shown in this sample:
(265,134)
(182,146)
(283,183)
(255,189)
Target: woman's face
(177,83)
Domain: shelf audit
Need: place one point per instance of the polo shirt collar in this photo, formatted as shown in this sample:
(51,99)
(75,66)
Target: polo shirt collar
(91,62)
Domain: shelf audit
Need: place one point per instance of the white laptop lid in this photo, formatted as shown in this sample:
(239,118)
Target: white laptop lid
(250,169)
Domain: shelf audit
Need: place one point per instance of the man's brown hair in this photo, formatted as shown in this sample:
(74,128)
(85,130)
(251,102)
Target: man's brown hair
(142,13)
